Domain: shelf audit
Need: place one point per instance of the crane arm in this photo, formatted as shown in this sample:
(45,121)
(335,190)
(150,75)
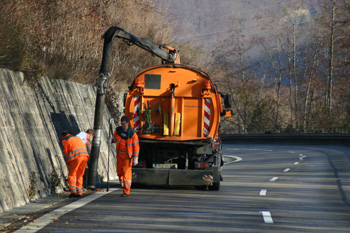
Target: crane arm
(170,56)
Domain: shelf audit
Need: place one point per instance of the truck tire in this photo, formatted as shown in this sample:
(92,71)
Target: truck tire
(215,186)
(200,187)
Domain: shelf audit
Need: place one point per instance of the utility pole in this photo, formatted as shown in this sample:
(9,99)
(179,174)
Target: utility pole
(99,108)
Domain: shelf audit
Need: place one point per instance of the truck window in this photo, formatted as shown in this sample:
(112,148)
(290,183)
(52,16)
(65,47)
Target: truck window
(152,81)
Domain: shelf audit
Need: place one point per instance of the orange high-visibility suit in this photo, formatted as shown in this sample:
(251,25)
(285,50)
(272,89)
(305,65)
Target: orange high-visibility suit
(77,158)
(127,148)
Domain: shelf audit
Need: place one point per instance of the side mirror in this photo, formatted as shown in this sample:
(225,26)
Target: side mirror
(124,99)
(227,113)
(227,101)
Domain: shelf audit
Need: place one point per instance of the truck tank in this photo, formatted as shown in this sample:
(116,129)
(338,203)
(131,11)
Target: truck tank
(176,110)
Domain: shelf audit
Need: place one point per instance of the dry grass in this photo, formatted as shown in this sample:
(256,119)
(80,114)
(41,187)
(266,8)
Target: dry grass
(62,39)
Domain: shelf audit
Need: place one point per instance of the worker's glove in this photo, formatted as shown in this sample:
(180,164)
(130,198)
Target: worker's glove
(109,142)
(136,161)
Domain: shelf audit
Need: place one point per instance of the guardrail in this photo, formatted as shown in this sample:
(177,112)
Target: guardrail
(313,130)
(296,138)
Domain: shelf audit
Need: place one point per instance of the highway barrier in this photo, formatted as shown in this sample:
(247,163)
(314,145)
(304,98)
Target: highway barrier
(317,139)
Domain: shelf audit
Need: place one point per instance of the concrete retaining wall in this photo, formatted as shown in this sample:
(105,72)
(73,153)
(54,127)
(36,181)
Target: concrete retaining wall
(31,120)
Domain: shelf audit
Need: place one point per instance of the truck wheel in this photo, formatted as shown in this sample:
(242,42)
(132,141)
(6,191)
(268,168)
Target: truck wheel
(200,187)
(215,186)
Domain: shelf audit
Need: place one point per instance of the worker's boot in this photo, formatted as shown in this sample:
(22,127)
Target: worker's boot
(73,195)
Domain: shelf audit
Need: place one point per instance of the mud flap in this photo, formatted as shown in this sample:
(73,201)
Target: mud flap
(188,177)
(150,176)
(171,177)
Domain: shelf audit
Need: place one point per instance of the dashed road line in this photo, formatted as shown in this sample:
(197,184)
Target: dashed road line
(267,216)
(263,192)
(286,170)
(237,159)
(301,157)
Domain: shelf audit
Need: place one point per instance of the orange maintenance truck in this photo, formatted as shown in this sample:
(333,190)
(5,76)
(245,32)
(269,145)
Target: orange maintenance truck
(176,111)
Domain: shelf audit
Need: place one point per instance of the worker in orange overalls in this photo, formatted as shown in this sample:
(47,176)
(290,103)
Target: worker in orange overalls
(76,158)
(86,136)
(128,150)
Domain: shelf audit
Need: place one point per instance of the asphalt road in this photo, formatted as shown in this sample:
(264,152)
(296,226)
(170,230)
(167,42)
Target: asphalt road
(266,188)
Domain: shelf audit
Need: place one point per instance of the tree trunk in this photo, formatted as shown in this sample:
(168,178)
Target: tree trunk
(331,57)
(296,89)
(290,91)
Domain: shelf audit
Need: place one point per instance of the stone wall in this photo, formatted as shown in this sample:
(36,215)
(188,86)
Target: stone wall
(32,117)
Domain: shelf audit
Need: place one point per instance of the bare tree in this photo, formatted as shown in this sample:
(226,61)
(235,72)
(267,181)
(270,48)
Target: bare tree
(331,60)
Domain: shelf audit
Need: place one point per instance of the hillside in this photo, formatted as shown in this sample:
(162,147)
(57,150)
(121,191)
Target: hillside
(285,62)
(207,23)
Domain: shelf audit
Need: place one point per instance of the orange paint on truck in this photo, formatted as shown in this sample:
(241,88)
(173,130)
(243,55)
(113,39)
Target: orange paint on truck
(176,89)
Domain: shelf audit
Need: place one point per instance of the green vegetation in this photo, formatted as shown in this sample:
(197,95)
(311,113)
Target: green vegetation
(32,189)
(55,181)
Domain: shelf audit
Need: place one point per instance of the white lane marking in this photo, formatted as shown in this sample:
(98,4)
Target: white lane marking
(50,217)
(286,170)
(301,156)
(99,230)
(291,152)
(241,149)
(263,192)
(296,163)
(237,159)
(274,178)
(267,216)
